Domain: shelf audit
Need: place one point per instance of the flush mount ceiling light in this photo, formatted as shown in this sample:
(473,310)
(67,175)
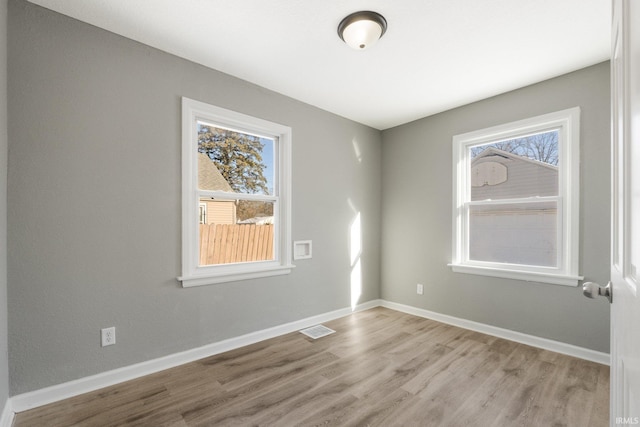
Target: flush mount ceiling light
(363,29)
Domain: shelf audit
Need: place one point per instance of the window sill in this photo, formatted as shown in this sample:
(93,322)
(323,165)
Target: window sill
(528,276)
(209,279)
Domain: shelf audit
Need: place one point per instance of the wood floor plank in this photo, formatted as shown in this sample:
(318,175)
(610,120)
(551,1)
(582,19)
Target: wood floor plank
(380,368)
(523,406)
(238,396)
(600,403)
(573,397)
(485,406)
(430,379)
(327,394)
(450,390)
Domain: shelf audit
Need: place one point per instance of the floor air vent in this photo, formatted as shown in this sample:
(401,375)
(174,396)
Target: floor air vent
(317,331)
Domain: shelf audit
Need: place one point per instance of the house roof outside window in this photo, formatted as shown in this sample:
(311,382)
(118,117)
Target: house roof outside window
(209,177)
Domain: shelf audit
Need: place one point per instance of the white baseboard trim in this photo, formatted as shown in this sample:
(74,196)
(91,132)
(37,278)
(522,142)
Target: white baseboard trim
(544,343)
(6,419)
(30,400)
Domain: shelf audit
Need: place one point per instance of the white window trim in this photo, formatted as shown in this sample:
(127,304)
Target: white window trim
(568,123)
(194,274)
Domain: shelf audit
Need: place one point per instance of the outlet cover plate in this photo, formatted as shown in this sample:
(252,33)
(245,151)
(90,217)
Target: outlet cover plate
(108,336)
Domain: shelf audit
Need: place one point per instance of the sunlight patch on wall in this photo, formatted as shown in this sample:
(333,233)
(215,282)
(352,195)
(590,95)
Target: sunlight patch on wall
(356,150)
(355,243)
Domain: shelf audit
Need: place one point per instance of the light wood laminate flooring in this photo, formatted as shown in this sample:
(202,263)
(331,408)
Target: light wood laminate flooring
(381,368)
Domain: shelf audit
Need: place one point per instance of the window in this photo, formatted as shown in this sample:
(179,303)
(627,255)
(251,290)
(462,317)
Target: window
(235,195)
(517,198)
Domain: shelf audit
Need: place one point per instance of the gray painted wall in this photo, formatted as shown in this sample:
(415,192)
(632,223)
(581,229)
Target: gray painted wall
(417,225)
(4,362)
(94,137)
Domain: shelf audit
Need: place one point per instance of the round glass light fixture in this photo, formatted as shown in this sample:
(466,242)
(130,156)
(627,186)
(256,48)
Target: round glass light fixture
(363,29)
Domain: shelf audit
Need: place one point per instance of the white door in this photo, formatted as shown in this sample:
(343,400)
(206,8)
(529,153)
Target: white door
(625,231)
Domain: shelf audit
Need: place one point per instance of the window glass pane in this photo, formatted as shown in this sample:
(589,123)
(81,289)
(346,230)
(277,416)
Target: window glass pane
(517,233)
(515,168)
(234,161)
(236,231)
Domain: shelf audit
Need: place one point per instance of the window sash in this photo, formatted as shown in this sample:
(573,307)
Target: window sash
(522,231)
(275,148)
(512,201)
(237,196)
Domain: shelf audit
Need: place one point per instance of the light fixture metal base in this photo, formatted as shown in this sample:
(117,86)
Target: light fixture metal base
(364,15)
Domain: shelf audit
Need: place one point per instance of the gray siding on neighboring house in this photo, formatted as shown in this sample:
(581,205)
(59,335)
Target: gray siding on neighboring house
(524,178)
(514,235)
(417,210)
(95,137)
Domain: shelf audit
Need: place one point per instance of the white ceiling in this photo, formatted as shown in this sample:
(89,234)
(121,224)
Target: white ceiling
(436,54)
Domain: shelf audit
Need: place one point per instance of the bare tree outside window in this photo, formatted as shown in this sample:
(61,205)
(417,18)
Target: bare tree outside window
(542,147)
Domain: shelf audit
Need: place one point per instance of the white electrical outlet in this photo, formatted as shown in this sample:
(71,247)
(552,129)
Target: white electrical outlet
(420,289)
(108,336)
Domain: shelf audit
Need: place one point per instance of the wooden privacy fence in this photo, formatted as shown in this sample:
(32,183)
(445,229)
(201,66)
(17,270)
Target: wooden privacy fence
(227,243)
